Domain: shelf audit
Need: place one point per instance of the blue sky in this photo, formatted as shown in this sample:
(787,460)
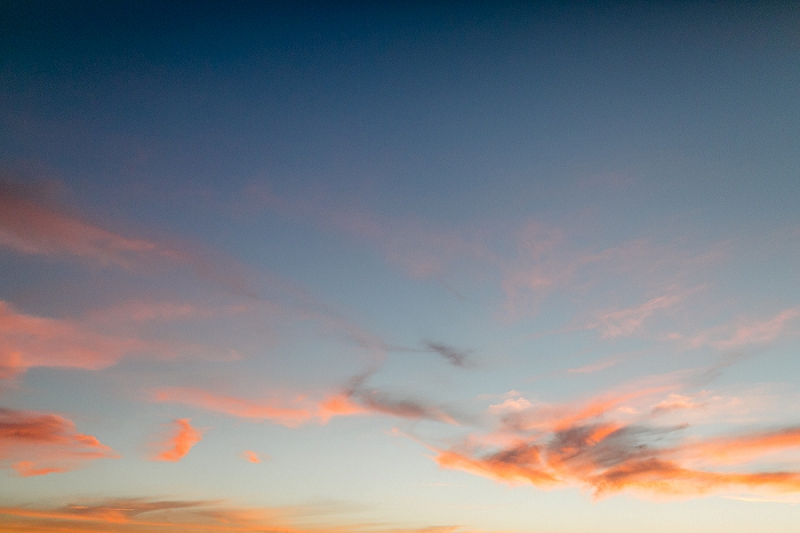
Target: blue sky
(450,267)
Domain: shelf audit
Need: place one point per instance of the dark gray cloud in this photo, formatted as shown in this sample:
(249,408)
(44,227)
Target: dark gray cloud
(455,357)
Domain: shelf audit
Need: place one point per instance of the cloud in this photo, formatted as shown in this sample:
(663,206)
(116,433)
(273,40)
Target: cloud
(136,515)
(453,356)
(356,401)
(147,515)
(236,407)
(625,322)
(742,448)
(608,458)
(608,444)
(35,444)
(31,225)
(742,332)
(28,341)
(339,405)
(555,417)
(253,457)
(675,402)
(759,332)
(547,260)
(179,442)
(380,402)
(519,464)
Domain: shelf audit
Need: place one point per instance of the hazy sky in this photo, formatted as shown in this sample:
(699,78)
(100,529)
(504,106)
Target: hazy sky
(417,267)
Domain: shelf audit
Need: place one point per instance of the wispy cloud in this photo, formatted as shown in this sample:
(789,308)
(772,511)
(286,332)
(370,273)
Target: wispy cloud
(455,357)
(35,443)
(28,341)
(302,409)
(610,444)
(403,407)
(146,515)
(274,411)
(33,225)
(547,259)
(253,457)
(743,332)
(625,322)
(181,439)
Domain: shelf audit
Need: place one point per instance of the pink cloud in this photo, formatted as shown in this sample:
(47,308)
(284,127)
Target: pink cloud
(236,407)
(146,515)
(28,341)
(253,457)
(626,322)
(182,438)
(33,228)
(302,409)
(742,332)
(547,260)
(35,444)
(759,332)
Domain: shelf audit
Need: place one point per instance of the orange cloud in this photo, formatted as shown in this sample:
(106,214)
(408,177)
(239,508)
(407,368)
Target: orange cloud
(597,445)
(611,458)
(339,405)
(141,515)
(521,415)
(743,448)
(178,444)
(303,410)
(28,341)
(237,407)
(520,464)
(253,457)
(35,444)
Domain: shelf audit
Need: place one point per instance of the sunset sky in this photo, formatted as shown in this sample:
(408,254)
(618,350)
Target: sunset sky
(399,267)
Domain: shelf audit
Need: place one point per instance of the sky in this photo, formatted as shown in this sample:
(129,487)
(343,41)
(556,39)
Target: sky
(460,267)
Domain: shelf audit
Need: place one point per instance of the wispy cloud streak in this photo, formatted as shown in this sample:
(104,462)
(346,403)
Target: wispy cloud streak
(743,332)
(35,444)
(355,401)
(28,341)
(452,355)
(30,227)
(33,226)
(149,515)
